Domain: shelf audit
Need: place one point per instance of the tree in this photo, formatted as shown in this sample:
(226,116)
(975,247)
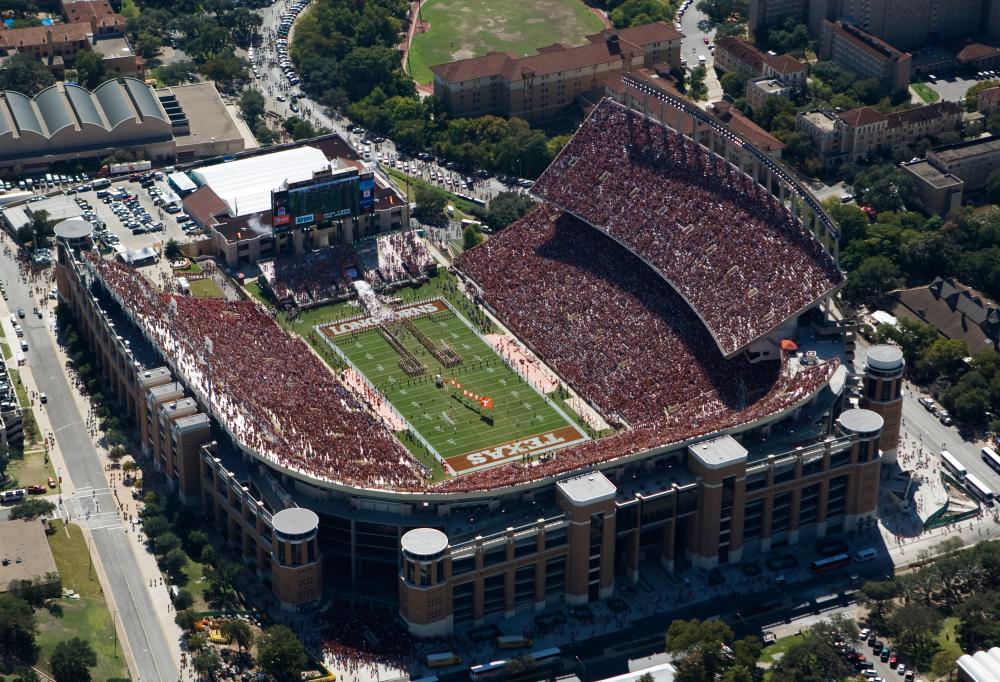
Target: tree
(177,73)
(72,660)
(470,237)
(811,660)
(148,45)
(25,674)
(978,627)
(734,84)
(943,358)
(943,662)
(31,509)
(252,106)
(972,94)
(183,600)
(700,644)
(993,187)
(172,250)
(207,663)
(25,74)
(281,654)
(186,619)
(173,562)
(789,36)
(238,632)
(914,627)
(154,525)
(725,11)
(879,595)
(506,208)
(90,69)
(636,13)
(696,87)
(17,629)
(872,279)
(165,542)
(431,202)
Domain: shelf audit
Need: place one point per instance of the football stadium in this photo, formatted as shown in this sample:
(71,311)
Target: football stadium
(660,383)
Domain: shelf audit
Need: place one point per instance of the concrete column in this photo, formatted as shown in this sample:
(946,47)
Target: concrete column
(578,562)
(607,575)
(667,544)
(766,517)
(632,556)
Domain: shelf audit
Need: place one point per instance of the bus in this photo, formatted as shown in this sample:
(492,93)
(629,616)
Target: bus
(486,671)
(992,458)
(831,563)
(952,464)
(11,496)
(442,660)
(545,656)
(979,490)
(513,642)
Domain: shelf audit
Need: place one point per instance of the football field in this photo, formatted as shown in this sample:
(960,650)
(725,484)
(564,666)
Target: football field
(460,428)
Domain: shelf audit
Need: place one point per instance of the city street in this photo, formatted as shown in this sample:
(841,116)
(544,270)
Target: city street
(91,503)
(695,28)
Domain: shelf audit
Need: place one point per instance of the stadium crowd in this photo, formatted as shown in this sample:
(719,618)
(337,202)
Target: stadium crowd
(623,339)
(402,257)
(273,393)
(731,249)
(312,277)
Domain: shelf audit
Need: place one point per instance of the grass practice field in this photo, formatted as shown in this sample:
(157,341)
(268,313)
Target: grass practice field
(460,29)
(451,427)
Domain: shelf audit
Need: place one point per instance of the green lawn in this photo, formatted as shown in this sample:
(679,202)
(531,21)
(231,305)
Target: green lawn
(926,92)
(450,427)
(253,288)
(779,648)
(206,288)
(87,617)
(191,268)
(468,28)
(34,467)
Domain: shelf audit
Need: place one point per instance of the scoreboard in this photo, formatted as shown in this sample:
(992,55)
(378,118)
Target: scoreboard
(320,200)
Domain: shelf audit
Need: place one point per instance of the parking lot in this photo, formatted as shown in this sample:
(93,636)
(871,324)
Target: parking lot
(132,214)
(953,88)
(874,659)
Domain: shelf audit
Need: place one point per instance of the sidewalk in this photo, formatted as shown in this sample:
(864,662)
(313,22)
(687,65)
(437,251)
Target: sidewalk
(128,508)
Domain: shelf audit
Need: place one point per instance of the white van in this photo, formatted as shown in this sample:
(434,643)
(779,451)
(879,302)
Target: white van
(866,554)
(13,319)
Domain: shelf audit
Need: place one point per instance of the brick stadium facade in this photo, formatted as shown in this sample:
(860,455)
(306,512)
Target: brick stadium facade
(451,555)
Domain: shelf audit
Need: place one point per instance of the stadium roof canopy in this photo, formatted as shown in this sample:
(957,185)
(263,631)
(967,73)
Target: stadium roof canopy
(245,185)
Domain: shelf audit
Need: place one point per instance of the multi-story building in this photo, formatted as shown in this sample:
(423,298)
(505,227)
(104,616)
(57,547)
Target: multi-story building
(236,201)
(69,122)
(91,25)
(865,55)
(733,54)
(939,192)
(988,101)
(853,135)
(907,24)
(972,160)
(458,553)
(760,90)
(543,86)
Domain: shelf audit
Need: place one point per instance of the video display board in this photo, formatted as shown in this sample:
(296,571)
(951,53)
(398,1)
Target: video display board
(317,202)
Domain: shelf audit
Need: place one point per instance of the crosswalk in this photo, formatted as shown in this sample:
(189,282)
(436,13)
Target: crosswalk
(94,506)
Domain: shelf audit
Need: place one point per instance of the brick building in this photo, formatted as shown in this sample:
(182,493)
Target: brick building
(543,86)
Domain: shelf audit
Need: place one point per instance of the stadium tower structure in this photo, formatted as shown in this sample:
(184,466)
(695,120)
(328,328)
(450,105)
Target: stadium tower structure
(246,423)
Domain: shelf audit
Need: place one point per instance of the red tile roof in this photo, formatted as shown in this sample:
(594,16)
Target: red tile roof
(862,116)
(601,49)
(40,35)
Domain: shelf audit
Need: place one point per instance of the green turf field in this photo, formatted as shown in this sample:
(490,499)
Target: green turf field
(450,427)
(460,29)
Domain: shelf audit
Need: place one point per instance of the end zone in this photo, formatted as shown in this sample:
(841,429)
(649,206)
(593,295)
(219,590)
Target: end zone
(515,449)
